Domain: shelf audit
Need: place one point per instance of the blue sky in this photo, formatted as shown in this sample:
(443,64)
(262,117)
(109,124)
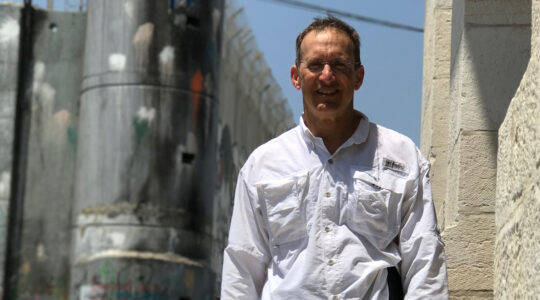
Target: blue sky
(392,91)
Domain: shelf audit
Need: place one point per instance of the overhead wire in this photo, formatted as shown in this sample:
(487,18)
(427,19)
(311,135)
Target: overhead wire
(357,17)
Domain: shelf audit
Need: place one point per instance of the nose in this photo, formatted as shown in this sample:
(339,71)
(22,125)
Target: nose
(326,73)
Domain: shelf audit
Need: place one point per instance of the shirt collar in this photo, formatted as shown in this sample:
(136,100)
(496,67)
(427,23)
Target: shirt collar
(358,137)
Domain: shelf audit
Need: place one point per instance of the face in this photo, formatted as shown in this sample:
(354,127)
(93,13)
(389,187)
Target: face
(326,75)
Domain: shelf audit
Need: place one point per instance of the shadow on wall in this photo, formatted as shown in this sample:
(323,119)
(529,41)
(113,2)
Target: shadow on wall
(498,47)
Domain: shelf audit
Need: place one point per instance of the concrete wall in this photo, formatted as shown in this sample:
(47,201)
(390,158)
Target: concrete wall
(9,47)
(52,115)
(157,144)
(490,48)
(142,212)
(51,152)
(517,248)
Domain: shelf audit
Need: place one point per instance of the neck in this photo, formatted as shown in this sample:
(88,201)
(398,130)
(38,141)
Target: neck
(333,132)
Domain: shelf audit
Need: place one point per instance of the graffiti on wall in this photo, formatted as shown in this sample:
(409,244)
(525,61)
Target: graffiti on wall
(130,282)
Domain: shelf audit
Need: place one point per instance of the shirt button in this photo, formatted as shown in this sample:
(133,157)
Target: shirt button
(328,194)
(335,297)
(331,262)
(330,161)
(327,228)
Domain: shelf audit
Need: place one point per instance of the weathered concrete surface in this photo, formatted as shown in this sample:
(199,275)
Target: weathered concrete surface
(146,162)
(9,50)
(56,61)
(58,48)
(517,263)
(136,275)
(435,94)
(490,51)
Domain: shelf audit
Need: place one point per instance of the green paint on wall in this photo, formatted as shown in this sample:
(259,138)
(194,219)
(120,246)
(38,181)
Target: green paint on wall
(72,137)
(107,272)
(141,127)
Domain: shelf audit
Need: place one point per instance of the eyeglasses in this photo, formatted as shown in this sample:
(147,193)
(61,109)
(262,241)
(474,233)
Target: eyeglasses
(316,66)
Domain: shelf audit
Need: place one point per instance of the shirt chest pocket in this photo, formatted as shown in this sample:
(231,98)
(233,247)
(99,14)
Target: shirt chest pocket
(373,210)
(285,210)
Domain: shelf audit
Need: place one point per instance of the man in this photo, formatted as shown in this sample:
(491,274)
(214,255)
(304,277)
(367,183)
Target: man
(322,211)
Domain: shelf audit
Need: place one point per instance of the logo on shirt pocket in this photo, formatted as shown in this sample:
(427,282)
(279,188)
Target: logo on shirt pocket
(370,213)
(284,207)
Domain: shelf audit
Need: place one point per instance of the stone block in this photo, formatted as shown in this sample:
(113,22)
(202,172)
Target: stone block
(438,173)
(469,251)
(490,51)
(493,60)
(439,124)
(471,174)
(514,12)
(471,295)
(452,183)
(517,263)
(478,171)
(441,42)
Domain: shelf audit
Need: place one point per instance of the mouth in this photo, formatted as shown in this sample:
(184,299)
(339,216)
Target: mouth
(327,92)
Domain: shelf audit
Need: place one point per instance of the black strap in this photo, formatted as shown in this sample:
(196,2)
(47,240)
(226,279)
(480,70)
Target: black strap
(395,288)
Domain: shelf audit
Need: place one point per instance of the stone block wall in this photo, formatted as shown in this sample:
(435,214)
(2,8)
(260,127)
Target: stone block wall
(517,263)
(470,76)
(434,135)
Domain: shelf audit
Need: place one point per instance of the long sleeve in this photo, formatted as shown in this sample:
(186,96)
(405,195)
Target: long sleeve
(246,256)
(423,266)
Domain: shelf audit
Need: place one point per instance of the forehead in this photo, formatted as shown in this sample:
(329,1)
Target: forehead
(326,42)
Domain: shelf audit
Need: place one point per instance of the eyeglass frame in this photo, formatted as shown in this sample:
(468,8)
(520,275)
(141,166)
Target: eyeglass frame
(334,65)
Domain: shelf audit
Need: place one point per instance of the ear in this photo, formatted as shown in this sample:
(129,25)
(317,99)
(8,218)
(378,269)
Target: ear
(359,77)
(295,77)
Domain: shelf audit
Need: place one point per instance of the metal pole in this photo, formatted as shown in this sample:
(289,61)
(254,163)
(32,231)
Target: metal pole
(20,154)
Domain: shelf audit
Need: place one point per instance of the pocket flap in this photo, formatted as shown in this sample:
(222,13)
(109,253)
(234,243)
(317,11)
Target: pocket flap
(282,201)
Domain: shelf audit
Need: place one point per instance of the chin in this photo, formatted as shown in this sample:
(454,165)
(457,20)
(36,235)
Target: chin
(326,116)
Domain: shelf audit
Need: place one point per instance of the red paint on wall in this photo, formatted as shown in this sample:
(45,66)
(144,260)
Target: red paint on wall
(197,86)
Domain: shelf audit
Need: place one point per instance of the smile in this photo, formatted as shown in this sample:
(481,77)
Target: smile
(327,92)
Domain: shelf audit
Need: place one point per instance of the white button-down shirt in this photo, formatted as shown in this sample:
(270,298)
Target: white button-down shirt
(310,225)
